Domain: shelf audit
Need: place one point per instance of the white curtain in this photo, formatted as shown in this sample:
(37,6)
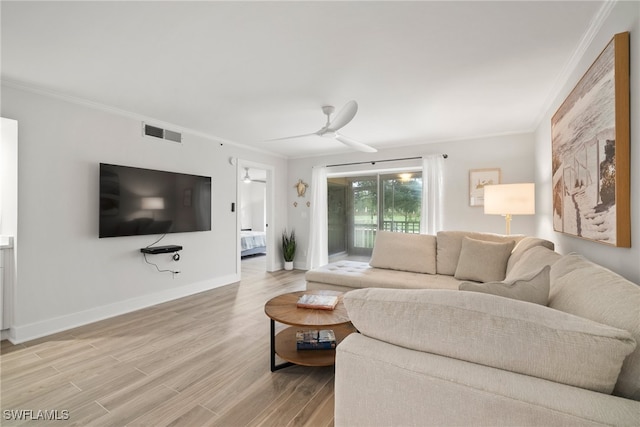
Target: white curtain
(432,189)
(318,252)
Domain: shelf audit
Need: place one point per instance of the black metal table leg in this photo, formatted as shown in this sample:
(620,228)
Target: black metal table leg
(275,367)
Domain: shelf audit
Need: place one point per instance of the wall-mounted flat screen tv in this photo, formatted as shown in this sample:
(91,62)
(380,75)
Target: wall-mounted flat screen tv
(135,201)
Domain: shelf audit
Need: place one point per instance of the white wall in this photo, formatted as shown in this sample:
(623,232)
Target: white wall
(625,16)
(513,154)
(66,275)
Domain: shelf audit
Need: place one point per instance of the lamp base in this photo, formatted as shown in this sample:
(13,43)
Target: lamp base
(507,220)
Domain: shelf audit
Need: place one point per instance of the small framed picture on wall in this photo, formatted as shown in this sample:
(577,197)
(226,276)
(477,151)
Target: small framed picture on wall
(478,178)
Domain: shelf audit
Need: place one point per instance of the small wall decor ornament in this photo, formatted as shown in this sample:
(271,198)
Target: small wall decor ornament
(301,187)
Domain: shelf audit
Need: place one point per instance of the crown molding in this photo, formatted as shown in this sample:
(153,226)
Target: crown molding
(131,115)
(563,78)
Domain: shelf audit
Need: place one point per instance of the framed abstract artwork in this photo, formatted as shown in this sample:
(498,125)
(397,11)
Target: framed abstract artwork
(590,152)
(478,178)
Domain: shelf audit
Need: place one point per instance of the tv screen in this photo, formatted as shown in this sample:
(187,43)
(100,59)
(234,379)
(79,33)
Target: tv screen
(135,201)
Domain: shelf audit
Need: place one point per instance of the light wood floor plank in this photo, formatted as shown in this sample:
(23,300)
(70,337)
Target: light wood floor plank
(198,361)
(195,417)
(130,409)
(318,411)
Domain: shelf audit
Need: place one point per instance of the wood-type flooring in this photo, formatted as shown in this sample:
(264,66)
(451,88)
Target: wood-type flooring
(202,360)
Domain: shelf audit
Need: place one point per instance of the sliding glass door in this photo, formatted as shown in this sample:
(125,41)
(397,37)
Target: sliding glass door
(362,216)
(360,206)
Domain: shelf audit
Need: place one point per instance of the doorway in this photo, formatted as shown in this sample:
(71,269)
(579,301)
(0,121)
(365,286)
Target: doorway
(254,213)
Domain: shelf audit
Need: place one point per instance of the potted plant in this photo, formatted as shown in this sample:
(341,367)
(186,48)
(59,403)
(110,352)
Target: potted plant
(288,248)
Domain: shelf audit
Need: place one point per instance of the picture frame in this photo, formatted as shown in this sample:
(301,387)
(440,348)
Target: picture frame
(478,178)
(590,134)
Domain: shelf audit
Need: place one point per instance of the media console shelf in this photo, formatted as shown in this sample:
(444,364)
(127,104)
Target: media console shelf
(153,250)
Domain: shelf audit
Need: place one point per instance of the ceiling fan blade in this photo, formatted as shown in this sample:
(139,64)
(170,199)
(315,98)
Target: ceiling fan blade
(355,144)
(291,137)
(344,116)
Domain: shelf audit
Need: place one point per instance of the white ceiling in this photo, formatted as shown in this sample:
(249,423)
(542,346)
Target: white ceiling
(244,72)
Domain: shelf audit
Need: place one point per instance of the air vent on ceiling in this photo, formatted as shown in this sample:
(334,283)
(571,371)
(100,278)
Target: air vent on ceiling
(157,132)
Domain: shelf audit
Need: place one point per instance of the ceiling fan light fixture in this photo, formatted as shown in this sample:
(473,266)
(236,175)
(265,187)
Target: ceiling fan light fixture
(330,129)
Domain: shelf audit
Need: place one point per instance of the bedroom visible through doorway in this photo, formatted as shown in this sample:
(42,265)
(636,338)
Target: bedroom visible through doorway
(252,216)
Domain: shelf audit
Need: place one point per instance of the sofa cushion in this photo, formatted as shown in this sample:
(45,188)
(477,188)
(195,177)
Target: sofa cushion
(381,384)
(499,332)
(355,274)
(449,244)
(531,288)
(589,290)
(483,261)
(405,252)
(523,246)
(531,261)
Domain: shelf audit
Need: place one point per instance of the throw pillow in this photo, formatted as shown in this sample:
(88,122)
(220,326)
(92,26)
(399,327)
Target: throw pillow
(483,261)
(449,244)
(405,252)
(532,288)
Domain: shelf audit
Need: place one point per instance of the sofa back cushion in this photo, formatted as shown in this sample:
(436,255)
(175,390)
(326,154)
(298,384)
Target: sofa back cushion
(523,246)
(531,261)
(588,290)
(493,331)
(404,251)
(449,244)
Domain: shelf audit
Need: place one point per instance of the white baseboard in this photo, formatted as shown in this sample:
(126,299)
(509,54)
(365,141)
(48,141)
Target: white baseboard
(23,333)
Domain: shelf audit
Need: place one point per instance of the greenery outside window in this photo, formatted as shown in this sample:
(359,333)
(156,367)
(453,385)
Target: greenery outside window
(359,206)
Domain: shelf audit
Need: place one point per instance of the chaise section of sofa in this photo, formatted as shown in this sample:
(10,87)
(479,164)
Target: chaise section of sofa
(418,261)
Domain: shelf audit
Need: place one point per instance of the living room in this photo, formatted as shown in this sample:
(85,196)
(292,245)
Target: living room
(63,276)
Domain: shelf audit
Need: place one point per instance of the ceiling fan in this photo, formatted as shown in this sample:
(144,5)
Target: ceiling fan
(330,129)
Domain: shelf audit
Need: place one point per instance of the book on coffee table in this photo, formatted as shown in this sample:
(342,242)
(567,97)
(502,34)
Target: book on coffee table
(324,339)
(321,302)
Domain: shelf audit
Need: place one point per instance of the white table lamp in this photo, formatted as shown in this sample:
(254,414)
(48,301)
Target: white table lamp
(510,199)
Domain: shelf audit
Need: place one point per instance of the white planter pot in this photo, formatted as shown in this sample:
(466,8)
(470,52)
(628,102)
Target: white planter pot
(288,265)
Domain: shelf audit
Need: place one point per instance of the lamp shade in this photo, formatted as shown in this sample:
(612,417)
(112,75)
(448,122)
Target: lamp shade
(152,203)
(510,199)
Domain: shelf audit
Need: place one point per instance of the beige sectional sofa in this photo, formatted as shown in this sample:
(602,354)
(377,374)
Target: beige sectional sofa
(494,354)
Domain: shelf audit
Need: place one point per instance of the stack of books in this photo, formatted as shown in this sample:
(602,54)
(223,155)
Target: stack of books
(324,339)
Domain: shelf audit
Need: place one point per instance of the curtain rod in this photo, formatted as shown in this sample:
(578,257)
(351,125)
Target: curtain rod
(373,162)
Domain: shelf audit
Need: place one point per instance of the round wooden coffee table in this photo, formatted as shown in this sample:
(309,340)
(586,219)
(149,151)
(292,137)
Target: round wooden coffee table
(283,309)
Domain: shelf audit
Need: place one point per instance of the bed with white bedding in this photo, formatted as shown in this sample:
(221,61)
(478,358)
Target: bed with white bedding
(252,242)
